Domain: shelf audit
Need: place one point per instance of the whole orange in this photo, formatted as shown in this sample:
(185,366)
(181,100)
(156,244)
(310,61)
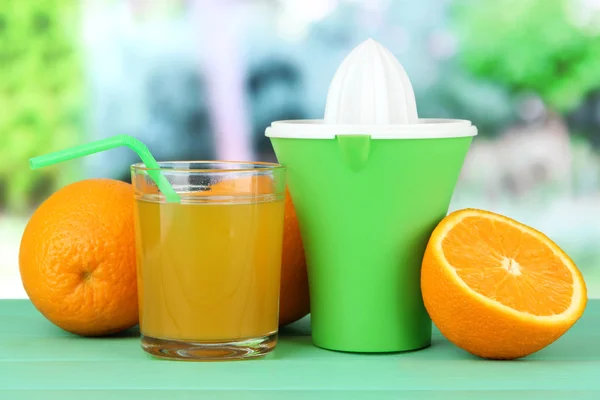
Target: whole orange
(77,258)
(294,300)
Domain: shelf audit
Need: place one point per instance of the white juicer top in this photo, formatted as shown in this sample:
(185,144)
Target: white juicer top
(370,87)
(370,94)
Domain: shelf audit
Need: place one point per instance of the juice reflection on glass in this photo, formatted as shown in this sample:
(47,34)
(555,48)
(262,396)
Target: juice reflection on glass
(209,267)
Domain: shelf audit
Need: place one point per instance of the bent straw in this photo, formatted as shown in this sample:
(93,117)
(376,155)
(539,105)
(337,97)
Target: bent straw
(110,143)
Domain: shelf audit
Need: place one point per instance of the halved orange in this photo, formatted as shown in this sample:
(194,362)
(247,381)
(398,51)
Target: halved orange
(498,288)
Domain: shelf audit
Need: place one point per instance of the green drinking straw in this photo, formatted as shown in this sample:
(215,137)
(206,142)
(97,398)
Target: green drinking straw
(110,143)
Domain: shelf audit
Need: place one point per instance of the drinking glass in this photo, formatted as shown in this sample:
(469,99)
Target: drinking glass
(209,266)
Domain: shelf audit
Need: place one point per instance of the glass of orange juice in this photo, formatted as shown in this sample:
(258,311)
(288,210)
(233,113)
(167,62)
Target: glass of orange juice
(209,266)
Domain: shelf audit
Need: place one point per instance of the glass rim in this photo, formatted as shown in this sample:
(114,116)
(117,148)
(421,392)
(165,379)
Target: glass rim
(251,166)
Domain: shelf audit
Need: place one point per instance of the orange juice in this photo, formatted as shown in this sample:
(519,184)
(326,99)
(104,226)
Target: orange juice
(209,270)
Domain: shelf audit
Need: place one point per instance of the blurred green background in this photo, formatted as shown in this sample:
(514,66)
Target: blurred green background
(202,79)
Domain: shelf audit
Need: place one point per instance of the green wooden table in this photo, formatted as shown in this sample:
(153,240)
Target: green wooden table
(38,360)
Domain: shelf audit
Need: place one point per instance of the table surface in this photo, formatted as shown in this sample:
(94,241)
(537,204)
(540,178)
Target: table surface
(38,360)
